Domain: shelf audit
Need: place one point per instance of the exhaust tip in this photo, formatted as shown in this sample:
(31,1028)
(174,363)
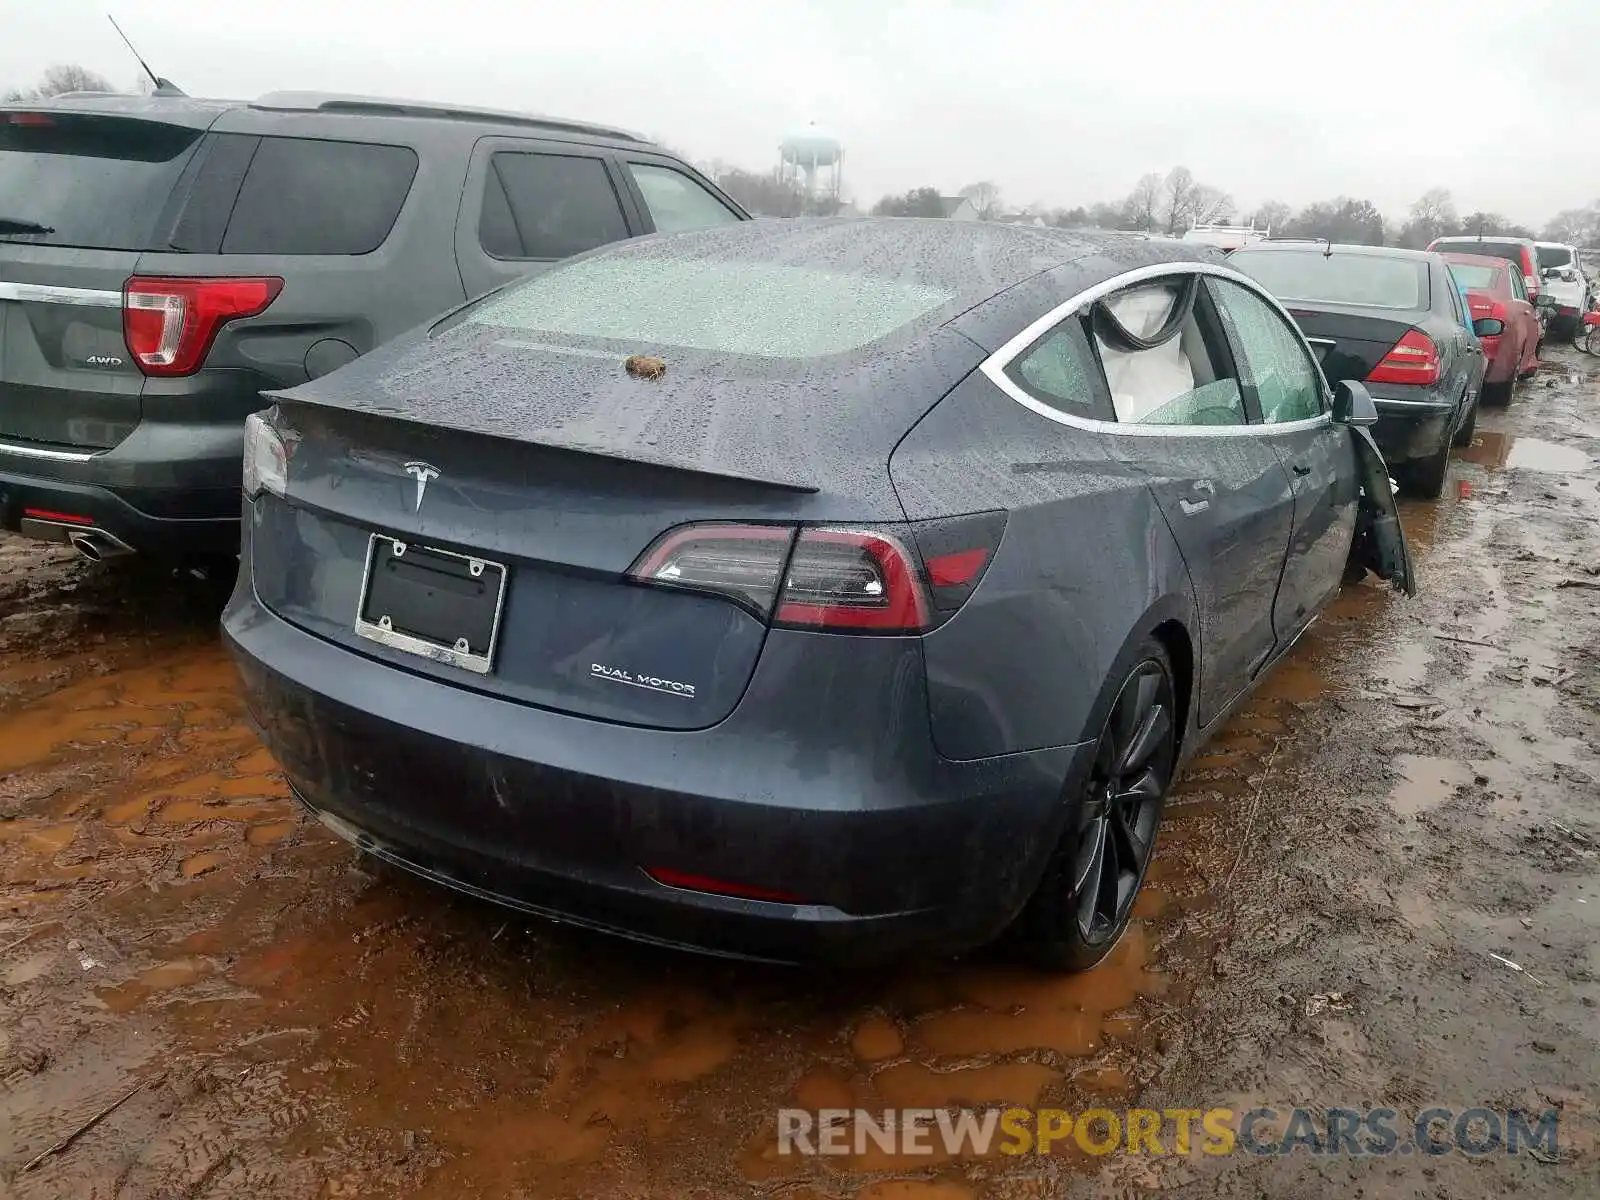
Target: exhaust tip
(87,545)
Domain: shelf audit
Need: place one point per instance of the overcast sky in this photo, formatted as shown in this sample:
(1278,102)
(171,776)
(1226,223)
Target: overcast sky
(1058,103)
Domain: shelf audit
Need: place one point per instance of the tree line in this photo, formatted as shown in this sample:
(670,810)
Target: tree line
(1159,203)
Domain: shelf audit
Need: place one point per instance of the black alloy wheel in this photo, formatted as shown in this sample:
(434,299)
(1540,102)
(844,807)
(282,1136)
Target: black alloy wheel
(1085,899)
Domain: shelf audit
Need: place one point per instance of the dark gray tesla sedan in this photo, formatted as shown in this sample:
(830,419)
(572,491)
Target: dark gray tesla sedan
(799,589)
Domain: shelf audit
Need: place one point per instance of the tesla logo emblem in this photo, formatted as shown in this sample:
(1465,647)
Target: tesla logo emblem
(421,472)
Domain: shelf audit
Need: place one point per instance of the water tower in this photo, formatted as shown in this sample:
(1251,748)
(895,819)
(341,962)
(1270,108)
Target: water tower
(814,159)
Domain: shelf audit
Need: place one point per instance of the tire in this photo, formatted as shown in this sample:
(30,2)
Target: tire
(1498,395)
(1464,434)
(1424,477)
(1078,912)
(1563,329)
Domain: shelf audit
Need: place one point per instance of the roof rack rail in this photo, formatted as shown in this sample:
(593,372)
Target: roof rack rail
(380,106)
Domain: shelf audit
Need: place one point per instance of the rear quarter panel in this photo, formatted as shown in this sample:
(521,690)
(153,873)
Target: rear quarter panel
(1087,566)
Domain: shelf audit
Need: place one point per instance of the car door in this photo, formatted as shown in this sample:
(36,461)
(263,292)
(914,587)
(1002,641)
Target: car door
(1524,321)
(1464,360)
(1220,485)
(1283,383)
(528,204)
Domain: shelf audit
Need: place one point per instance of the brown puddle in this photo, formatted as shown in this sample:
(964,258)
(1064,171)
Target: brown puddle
(1428,783)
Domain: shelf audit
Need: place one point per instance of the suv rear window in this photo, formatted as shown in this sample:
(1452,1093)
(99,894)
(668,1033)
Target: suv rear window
(87,180)
(1554,256)
(302,196)
(547,206)
(1368,280)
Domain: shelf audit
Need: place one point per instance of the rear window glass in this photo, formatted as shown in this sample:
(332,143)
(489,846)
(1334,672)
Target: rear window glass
(547,206)
(1554,256)
(1362,279)
(82,180)
(1473,277)
(761,309)
(302,196)
(1510,251)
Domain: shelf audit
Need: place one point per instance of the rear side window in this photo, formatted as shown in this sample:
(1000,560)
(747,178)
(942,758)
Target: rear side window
(302,196)
(87,180)
(547,206)
(677,202)
(1059,370)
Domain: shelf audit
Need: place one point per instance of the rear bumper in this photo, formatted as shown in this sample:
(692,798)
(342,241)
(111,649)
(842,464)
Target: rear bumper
(1412,427)
(165,489)
(171,487)
(889,848)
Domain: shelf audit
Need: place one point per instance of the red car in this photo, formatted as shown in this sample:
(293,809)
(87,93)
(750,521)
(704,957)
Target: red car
(1496,293)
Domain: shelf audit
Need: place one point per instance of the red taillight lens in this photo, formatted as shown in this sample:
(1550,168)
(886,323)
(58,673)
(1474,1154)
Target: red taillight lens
(852,579)
(1413,359)
(41,120)
(856,579)
(741,562)
(169,324)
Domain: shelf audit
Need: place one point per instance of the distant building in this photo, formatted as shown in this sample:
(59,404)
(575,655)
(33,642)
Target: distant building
(957,208)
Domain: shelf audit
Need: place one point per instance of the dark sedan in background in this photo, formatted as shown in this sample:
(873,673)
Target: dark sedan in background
(800,588)
(1395,320)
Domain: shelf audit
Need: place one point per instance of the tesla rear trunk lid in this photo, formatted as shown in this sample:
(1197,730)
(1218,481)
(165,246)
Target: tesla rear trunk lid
(562,469)
(81,194)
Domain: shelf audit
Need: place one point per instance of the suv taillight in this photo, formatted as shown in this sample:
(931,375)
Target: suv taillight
(1413,359)
(169,324)
(848,579)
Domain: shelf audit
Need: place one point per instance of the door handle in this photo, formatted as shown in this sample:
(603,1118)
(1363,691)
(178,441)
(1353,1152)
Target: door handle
(1301,469)
(1191,509)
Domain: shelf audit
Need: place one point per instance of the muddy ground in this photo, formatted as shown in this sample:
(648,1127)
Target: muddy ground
(1413,793)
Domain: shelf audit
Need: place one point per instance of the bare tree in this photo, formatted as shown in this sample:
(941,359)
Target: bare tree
(61,78)
(1140,207)
(1271,214)
(985,197)
(1177,197)
(1433,215)
(1575,226)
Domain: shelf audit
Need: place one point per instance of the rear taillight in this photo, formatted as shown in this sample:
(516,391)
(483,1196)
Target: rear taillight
(1413,359)
(742,562)
(169,324)
(850,579)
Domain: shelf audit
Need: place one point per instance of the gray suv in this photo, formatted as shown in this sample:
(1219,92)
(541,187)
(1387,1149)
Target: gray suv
(163,259)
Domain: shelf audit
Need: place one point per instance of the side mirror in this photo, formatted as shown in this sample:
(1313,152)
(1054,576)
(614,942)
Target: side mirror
(1352,404)
(1488,327)
(1548,272)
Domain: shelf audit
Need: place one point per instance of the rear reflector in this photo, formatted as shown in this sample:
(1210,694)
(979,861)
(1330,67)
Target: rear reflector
(719,887)
(169,324)
(45,514)
(1414,359)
